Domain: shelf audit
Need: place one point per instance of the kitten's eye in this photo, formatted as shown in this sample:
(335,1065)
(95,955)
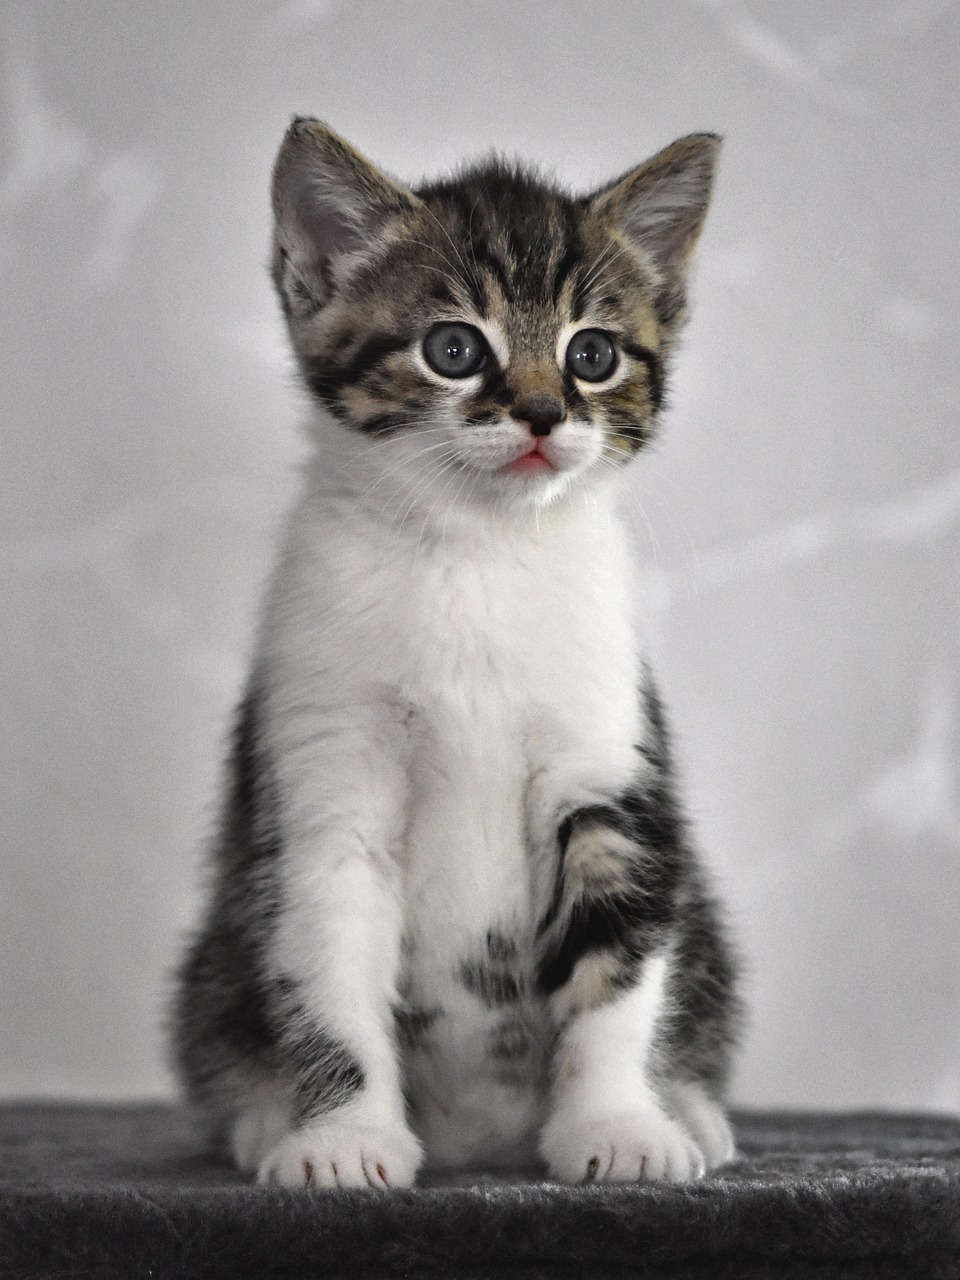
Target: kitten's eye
(591,355)
(455,350)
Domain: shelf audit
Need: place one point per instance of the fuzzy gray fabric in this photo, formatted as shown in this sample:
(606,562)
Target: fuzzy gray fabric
(127,1192)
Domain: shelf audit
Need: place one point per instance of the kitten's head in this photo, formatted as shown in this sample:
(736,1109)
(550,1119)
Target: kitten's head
(487,336)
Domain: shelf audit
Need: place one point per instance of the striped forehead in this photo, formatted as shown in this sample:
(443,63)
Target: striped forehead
(517,241)
(531,260)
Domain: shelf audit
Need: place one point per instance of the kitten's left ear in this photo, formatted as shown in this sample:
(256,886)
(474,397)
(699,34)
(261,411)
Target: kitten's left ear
(661,205)
(330,205)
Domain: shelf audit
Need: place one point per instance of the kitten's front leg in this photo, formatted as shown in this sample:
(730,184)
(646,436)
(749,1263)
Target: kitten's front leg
(605,968)
(606,1123)
(340,936)
(335,955)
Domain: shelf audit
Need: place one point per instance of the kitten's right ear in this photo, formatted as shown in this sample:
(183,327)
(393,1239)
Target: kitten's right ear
(329,203)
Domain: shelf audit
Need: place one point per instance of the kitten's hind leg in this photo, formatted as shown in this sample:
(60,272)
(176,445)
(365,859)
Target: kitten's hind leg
(258,1127)
(703,1119)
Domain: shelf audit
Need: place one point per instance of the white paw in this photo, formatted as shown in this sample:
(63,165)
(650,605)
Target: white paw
(624,1146)
(343,1153)
(704,1120)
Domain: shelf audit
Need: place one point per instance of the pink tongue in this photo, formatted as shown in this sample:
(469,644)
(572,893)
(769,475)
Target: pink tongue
(532,461)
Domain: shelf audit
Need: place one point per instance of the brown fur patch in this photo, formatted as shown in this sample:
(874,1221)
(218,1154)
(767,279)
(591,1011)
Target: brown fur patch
(597,860)
(594,982)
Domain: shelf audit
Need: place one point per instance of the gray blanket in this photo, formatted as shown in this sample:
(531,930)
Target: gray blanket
(97,1191)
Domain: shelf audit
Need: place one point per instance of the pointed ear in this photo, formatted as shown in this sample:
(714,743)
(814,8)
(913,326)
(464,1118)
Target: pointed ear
(661,206)
(329,203)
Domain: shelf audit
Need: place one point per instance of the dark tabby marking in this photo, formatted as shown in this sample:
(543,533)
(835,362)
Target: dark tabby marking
(233,1023)
(326,1073)
(414,1025)
(654,367)
(642,888)
(511,1041)
(513,1052)
(499,947)
(496,978)
(492,984)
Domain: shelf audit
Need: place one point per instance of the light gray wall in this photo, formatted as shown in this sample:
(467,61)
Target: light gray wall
(800,523)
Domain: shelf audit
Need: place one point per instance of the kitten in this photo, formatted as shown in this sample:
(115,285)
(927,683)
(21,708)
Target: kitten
(454,911)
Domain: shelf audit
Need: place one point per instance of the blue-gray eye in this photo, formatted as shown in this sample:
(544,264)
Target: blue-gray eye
(591,355)
(455,350)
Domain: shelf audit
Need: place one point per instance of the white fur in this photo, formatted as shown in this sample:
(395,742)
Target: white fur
(450,667)
(356,1146)
(606,1122)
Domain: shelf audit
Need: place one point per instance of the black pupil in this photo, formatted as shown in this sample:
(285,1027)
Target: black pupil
(455,350)
(591,355)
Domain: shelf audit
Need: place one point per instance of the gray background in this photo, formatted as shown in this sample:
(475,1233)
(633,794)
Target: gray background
(799,523)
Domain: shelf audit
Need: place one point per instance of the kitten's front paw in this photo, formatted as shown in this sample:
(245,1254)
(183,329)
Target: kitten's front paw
(624,1146)
(343,1153)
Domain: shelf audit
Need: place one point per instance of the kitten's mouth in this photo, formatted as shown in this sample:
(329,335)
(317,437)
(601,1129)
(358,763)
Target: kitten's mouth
(530,463)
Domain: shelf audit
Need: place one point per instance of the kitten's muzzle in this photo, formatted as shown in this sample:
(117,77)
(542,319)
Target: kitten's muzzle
(540,411)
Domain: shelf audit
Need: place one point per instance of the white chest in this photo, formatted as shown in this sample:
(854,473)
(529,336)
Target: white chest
(510,657)
(497,678)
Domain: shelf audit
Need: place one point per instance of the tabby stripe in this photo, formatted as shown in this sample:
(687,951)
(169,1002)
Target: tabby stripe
(327,1073)
(630,918)
(595,926)
(328,380)
(565,266)
(371,353)
(384,423)
(654,367)
(483,257)
(605,815)
(576,401)
(652,818)
(255,796)
(495,386)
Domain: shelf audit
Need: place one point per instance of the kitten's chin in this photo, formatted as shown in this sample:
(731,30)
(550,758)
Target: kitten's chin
(539,478)
(526,482)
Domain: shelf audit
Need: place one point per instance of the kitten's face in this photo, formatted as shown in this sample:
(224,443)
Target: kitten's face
(488,338)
